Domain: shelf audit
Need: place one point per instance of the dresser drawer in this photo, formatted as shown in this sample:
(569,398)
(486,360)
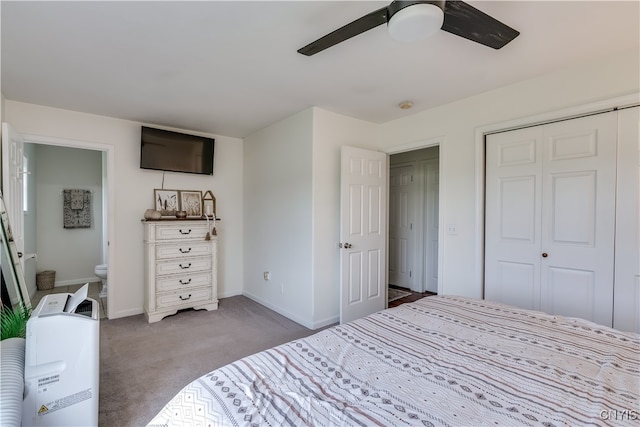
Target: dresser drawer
(184,230)
(187,298)
(183,249)
(183,266)
(183,282)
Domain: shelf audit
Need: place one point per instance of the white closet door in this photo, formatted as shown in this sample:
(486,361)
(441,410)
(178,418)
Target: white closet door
(578,219)
(513,217)
(401,229)
(550,216)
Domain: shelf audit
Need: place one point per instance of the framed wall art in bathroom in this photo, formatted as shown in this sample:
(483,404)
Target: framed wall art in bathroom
(166,201)
(191,202)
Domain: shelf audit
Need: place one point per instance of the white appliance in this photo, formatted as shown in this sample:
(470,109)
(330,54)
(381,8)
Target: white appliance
(62,362)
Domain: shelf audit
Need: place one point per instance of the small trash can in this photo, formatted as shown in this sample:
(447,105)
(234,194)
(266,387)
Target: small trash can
(45,280)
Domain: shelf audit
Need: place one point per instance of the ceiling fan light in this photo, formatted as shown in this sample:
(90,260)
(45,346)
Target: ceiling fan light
(415,22)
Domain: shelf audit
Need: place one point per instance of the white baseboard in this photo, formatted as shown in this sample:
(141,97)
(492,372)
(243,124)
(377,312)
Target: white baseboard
(290,316)
(326,322)
(71,282)
(127,313)
(229,294)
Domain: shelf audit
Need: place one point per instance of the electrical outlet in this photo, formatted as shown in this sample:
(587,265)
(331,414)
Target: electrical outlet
(266,275)
(452,230)
(282,288)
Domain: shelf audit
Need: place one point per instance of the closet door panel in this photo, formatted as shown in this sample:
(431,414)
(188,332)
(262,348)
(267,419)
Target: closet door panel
(513,216)
(578,217)
(570,292)
(627,264)
(573,208)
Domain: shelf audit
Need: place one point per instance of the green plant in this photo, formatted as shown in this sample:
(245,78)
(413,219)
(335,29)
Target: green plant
(13,321)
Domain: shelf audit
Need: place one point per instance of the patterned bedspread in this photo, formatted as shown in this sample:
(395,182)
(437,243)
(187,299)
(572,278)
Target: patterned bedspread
(439,361)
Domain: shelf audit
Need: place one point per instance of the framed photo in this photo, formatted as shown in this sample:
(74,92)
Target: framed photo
(166,201)
(191,202)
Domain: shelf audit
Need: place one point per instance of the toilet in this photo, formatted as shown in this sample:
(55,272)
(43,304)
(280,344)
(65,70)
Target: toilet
(101,272)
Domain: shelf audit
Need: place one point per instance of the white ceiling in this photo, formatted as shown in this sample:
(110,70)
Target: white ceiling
(231,68)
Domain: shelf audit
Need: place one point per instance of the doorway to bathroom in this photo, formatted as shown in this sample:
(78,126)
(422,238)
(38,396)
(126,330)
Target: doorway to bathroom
(65,221)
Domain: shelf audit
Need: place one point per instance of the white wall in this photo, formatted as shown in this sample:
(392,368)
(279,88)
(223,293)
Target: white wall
(456,124)
(277,220)
(330,132)
(133,191)
(72,253)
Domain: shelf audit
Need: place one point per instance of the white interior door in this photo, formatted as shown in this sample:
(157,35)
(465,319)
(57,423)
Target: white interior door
(550,217)
(363,225)
(12,184)
(401,226)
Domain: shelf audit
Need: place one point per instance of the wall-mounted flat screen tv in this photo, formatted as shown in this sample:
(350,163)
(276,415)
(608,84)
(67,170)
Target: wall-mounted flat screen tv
(176,152)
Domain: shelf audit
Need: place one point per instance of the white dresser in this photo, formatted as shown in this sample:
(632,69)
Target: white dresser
(180,267)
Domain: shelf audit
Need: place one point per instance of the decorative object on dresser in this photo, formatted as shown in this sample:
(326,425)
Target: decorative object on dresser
(209,204)
(166,201)
(152,214)
(180,267)
(191,202)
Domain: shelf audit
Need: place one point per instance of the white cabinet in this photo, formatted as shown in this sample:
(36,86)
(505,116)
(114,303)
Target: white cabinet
(180,267)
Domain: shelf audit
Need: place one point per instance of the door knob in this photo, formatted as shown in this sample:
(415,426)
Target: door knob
(544,254)
(344,245)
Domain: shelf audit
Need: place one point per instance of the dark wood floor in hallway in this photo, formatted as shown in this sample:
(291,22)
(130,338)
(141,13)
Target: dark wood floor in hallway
(414,296)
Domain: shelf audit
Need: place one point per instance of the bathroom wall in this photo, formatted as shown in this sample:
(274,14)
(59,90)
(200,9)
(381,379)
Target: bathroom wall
(73,253)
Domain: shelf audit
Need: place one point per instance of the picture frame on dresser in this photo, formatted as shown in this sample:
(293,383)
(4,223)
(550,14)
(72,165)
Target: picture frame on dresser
(191,203)
(166,201)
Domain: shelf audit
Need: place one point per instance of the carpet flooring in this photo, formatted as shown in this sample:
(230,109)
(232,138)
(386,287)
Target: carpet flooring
(142,365)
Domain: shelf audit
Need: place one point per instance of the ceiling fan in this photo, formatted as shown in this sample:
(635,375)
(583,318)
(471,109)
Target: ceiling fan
(414,20)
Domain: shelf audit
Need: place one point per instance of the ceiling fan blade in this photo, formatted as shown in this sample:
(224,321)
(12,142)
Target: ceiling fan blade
(466,21)
(352,29)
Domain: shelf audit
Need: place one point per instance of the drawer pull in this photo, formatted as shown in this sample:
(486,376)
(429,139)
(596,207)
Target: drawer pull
(186,282)
(185,252)
(183,267)
(185,232)
(184,299)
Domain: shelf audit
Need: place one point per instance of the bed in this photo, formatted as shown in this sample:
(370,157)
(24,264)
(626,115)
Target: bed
(441,360)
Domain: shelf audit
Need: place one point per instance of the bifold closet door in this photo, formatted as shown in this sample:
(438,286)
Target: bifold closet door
(401,230)
(550,217)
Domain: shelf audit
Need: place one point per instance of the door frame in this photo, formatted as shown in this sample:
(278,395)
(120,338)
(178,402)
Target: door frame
(109,150)
(418,145)
(552,116)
